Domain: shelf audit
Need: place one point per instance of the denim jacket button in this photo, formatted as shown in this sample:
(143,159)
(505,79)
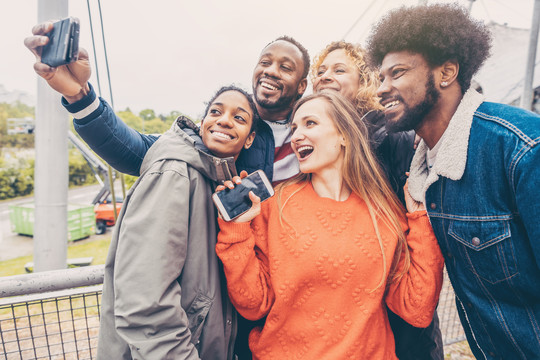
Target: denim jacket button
(433,206)
(475,241)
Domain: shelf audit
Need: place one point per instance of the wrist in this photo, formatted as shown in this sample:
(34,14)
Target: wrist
(85,89)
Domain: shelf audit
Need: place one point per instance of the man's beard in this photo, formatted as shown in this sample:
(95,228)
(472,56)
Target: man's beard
(412,117)
(281,103)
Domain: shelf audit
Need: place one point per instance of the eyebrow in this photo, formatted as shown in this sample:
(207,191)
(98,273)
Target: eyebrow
(282,59)
(244,110)
(393,66)
(306,117)
(238,108)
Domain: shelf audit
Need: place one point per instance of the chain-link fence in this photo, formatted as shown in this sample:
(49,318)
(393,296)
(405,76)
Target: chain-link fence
(55,314)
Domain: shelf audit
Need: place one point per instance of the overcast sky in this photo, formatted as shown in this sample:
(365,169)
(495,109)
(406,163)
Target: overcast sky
(172,55)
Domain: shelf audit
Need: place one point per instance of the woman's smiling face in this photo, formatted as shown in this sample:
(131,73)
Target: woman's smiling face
(226,128)
(315,139)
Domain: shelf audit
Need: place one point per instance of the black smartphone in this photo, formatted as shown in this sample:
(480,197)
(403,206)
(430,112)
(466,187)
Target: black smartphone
(63,45)
(232,203)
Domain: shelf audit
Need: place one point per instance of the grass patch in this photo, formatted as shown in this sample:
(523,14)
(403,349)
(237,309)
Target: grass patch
(82,248)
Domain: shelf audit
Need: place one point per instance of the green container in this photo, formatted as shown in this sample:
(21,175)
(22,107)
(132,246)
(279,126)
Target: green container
(81,220)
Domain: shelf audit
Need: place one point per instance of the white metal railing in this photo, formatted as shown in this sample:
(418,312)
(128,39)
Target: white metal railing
(55,314)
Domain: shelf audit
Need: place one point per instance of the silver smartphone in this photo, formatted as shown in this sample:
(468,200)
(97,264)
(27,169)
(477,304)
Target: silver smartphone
(232,203)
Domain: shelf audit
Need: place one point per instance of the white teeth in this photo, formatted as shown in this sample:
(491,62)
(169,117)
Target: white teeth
(222,135)
(304,148)
(268,86)
(391,103)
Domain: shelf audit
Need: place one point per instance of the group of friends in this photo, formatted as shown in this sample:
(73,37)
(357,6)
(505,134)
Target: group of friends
(346,260)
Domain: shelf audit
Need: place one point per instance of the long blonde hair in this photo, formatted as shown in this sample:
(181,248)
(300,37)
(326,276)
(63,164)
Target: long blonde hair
(362,174)
(366,97)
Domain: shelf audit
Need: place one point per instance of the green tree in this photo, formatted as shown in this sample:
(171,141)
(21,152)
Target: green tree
(16,110)
(80,172)
(131,119)
(155,126)
(147,114)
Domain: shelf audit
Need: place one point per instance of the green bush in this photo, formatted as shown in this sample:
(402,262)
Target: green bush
(80,172)
(16,182)
(18,179)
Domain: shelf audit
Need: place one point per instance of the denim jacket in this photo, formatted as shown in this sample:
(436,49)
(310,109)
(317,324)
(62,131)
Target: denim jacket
(483,199)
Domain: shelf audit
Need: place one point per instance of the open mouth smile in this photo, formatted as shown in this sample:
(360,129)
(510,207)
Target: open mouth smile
(267,85)
(391,104)
(221,135)
(304,151)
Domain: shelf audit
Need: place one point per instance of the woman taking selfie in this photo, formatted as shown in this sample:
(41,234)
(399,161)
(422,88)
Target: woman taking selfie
(164,296)
(323,258)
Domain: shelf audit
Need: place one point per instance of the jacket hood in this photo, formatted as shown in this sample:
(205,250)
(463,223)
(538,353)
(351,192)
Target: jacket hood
(183,143)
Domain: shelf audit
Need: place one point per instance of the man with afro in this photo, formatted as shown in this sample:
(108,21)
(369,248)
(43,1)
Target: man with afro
(477,168)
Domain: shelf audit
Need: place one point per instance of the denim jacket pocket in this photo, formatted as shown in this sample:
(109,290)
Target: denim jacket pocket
(196,313)
(486,248)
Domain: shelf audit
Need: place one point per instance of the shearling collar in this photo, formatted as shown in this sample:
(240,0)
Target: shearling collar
(452,155)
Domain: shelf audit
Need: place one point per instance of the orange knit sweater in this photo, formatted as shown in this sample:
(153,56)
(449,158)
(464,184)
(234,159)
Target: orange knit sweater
(313,277)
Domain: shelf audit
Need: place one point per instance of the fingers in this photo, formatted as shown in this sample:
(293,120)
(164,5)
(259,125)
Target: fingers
(228,184)
(220,188)
(236,180)
(80,69)
(83,54)
(254,199)
(44,70)
(253,211)
(35,43)
(243,174)
(43,28)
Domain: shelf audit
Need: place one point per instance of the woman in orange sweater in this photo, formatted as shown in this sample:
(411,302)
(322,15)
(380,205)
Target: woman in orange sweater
(322,257)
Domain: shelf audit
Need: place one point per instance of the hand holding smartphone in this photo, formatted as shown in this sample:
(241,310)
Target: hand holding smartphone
(232,203)
(63,45)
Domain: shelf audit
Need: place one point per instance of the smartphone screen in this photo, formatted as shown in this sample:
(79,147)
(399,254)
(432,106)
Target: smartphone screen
(236,201)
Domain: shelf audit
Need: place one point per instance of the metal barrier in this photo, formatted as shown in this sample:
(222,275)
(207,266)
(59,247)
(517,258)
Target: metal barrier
(49,316)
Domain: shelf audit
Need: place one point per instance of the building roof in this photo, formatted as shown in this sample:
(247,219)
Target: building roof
(501,77)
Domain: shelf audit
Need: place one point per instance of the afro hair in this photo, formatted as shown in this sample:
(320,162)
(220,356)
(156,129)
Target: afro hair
(439,32)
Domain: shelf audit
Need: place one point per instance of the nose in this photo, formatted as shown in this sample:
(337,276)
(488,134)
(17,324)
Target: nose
(326,76)
(225,120)
(383,88)
(297,136)
(271,70)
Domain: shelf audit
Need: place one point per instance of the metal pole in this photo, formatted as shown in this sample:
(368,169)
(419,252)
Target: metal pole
(51,166)
(528,91)
(470,5)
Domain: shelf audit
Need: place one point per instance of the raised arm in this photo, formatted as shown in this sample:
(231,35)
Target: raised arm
(122,147)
